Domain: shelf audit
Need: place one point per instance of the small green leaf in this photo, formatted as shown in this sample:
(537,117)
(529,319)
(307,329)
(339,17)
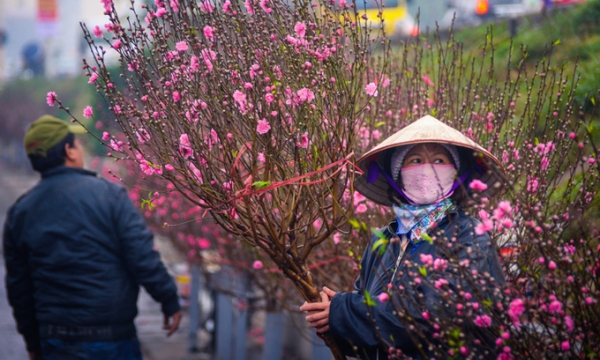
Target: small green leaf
(369,300)
(487,302)
(260,184)
(423,271)
(536,141)
(147,202)
(379,233)
(557,42)
(380,246)
(381,123)
(354,223)
(427,238)
(593,101)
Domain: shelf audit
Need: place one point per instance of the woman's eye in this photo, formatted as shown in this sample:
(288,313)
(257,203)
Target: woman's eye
(438,161)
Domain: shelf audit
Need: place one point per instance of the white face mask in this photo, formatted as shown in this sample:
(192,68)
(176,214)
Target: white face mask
(428,183)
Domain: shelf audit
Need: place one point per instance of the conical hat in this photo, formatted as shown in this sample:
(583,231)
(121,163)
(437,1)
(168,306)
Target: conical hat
(426,130)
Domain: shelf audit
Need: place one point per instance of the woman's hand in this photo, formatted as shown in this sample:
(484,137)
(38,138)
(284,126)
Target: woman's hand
(318,313)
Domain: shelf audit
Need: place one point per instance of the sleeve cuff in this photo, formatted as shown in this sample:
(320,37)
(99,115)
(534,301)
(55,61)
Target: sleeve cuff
(33,344)
(171,306)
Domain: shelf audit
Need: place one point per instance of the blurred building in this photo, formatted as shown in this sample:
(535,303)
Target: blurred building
(44,38)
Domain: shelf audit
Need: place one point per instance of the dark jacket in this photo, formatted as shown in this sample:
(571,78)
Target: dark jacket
(76,251)
(353,323)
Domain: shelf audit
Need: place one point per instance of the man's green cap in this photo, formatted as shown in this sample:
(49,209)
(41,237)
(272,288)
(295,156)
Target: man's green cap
(47,132)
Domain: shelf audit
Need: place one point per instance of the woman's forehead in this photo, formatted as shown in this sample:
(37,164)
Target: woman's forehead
(427,148)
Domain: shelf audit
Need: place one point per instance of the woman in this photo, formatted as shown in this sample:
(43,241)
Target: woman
(422,172)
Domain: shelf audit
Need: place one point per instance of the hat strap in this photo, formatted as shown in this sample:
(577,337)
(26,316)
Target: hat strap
(375,170)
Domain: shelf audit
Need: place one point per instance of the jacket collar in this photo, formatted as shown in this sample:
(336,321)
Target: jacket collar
(60,170)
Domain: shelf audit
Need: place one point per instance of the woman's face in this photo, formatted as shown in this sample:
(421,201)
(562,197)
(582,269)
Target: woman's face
(427,154)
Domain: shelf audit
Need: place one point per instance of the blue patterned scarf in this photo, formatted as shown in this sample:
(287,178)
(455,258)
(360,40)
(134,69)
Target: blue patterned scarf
(419,219)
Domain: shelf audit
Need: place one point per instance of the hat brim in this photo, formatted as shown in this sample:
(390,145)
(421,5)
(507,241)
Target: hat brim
(426,130)
(77,129)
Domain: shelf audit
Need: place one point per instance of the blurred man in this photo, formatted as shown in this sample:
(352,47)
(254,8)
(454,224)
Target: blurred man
(76,251)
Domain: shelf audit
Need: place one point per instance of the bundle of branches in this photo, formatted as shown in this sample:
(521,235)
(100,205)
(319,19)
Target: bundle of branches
(249,110)
(191,229)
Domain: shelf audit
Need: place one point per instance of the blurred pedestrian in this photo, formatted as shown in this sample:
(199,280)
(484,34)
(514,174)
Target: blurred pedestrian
(76,251)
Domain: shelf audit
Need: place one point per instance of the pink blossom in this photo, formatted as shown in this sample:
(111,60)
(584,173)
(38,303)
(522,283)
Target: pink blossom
(116,145)
(257,265)
(505,207)
(440,283)
(263,127)
(209,32)
(87,112)
(107,5)
(264,5)
(142,135)
(336,238)
(203,243)
(565,346)
(555,307)
(146,167)
(483,227)
(361,208)
(532,184)
(51,98)
(383,297)
(248,6)
(589,300)
(300,29)
(371,89)
(516,154)
(305,95)
(426,259)
(507,223)
(342,3)
(239,97)
(269,98)
(181,46)
(169,167)
(185,147)
(569,323)
(117,44)
(304,140)
(227,7)
(160,12)
(105,136)
(551,265)
(515,309)
(386,82)
(117,109)
(197,174)
(97,31)
(478,185)
(206,6)
(591,160)
(427,80)
(261,157)
(440,264)
(505,356)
